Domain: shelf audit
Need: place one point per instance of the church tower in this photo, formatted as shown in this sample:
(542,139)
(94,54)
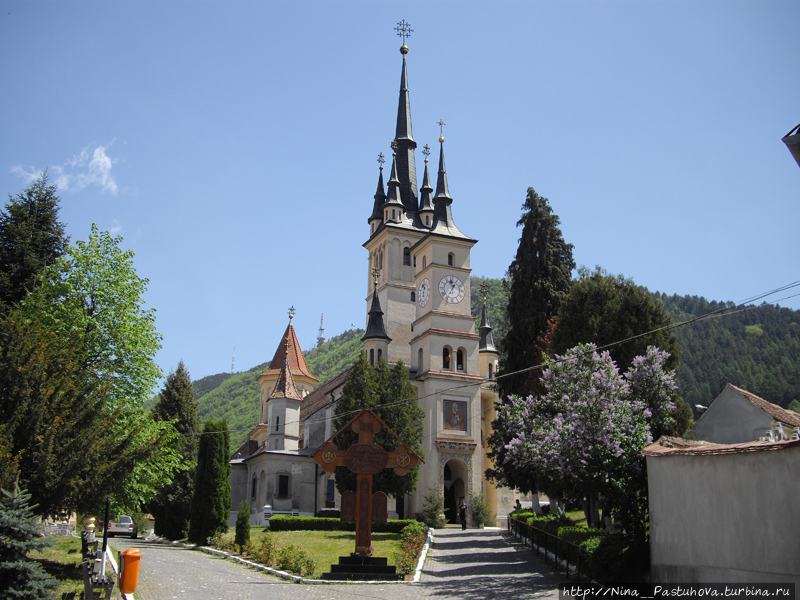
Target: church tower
(421,265)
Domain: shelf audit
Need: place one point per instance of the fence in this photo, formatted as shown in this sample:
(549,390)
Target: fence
(551,546)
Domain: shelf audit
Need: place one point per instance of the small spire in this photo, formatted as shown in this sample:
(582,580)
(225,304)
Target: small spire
(380,196)
(375,328)
(487,341)
(393,201)
(426,191)
(442,191)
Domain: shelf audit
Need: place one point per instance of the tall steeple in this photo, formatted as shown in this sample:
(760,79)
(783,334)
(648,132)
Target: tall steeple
(376,341)
(426,194)
(406,167)
(393,207)
(376,218)
(487,341)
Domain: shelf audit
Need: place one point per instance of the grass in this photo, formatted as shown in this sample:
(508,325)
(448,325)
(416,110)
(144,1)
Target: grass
(325,547)
(62,560)
(577,517)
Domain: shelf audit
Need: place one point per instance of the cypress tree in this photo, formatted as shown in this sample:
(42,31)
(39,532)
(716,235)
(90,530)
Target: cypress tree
(31,238)
(211,502)
(173,504)
(536,283)
(21,577)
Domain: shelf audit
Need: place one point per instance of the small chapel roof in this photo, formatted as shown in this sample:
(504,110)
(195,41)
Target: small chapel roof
(787,417)
(292,351)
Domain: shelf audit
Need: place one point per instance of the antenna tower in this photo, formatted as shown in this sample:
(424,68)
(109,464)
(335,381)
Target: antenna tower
(233,360)
(321,336)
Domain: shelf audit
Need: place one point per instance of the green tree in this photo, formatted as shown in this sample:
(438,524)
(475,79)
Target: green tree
(20,576)
(602,309)
(87,308)
(211,502)
(537,281)
(173,504)
(391,396)
(242,525)
(31,238)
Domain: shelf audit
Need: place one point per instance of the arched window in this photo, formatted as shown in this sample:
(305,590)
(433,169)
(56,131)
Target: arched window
(413,297)
(380,353)
(419,360)
(372,356)
(253,488)
(407,256)
(424,262)
(277,423)
(490,370)
(393,213)
(451,259)
(460,359)
(415,260)
(446,358)
(427,220)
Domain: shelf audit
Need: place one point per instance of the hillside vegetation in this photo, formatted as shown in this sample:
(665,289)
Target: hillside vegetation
(753,347)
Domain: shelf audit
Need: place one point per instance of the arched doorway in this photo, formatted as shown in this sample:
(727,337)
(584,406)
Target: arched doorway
(454,477)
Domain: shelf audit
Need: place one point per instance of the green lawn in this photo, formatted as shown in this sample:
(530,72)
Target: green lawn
(325,547)
(62,560)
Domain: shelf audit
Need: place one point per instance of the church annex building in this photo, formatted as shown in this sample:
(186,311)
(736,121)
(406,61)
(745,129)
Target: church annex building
(418,311)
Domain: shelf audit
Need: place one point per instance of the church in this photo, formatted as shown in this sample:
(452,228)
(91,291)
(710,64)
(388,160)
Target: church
(418,311)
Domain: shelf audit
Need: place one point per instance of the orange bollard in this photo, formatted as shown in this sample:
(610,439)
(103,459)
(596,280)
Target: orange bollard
(129,570)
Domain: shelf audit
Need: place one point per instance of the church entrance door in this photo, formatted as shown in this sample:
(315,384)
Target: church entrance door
(455,473)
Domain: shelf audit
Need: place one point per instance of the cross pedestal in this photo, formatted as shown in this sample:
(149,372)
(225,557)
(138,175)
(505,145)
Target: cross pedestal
(365,458)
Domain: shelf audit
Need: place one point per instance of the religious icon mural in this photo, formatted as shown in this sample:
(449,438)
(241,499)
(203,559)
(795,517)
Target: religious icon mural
(455,415)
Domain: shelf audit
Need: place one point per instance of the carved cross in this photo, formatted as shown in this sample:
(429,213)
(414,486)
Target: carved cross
(365,458)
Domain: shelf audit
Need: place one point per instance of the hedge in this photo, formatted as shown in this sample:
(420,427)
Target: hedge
(293,523)
(577,535)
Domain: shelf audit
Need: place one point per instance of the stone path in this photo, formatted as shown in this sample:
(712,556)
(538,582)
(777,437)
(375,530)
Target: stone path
(471,565)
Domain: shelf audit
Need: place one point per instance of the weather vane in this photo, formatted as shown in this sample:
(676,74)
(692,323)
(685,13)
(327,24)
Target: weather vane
(291,314)
(375,273)
(484,290)
(404,30)
(426,150)
(381,160)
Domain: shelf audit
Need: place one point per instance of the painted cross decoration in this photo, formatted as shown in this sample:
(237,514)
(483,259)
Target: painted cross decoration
(365,458)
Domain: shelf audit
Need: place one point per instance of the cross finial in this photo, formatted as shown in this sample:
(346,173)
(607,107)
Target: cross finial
(484,289)
(426,150)
(291,314)
(403,30)
(441,125)
(375,273)
(381,160)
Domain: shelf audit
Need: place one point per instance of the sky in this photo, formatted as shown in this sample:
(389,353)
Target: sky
(233,145)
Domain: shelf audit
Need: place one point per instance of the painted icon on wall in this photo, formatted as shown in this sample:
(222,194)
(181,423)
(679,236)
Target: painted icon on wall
(455,415)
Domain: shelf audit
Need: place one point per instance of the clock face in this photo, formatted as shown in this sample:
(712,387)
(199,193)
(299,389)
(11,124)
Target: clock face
(424,292)
(451,289)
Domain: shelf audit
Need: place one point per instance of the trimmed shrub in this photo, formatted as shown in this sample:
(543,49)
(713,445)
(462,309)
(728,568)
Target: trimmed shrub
(550,523)
(411,544)
(243,525)
(293,523)
(576,535)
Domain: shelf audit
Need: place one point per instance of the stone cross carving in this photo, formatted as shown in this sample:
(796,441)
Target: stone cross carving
(365,458)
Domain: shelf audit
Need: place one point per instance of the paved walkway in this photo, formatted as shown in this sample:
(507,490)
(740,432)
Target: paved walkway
(471,565)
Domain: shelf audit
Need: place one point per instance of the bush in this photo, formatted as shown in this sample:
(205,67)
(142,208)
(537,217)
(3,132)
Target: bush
(218,542)
(550,523)
(264,553)
(411,544)
(481,515)
(243,525)
(577,535)
(614,559)
(293,523)
(433,509)
(295,560)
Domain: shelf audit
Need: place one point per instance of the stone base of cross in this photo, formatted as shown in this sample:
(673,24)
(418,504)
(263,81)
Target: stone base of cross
(365,458)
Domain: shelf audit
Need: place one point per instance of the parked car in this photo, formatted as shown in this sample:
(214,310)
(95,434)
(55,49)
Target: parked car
(122,525)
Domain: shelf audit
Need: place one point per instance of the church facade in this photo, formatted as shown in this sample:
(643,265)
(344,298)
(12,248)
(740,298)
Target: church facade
(418,311)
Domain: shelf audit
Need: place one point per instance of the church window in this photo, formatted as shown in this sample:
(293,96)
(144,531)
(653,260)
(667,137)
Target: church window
(460,359)
(419,360)
(380,353)
(446,358)
(413,297)
(490,370)
(424,262)
(407,256)
(372,357)
(283,486)
(415,260)
(277,423)
(427,220)
(253,488)
(451,259)
(393,215)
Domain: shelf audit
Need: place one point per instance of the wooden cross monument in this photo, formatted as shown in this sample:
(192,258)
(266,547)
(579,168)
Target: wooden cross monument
(365,458)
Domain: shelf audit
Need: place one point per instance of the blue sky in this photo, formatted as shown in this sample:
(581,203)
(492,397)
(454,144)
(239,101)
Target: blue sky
(233,144)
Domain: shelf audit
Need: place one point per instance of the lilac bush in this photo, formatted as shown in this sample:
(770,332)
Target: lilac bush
(584,435)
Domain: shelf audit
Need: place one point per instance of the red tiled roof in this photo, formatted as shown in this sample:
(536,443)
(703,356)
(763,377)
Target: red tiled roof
(297,363)
(673,446)
(320,398)
(787,417)
(284,387)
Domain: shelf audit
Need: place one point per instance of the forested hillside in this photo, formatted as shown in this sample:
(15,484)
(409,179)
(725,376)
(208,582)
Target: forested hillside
(756,348)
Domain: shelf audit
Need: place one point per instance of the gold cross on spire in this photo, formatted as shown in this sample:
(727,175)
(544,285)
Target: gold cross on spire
(484,289)
(403,30)
(375,273)
(441,125)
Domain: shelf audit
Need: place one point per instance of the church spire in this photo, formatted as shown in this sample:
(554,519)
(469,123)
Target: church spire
(407,170)
(393,207)
(380,196)
(375,328)
(426,194)
(487,341)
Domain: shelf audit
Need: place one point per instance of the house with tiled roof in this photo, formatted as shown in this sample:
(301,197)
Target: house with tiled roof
(418,311)
(737,415)
(724,512)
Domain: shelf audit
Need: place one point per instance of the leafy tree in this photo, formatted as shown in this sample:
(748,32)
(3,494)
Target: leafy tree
(173,504)
(391,396)
(794,405)
(537,282)
(81,343)
(31,238)
(21,577)
(603,309)
(585,433)
(211,502)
